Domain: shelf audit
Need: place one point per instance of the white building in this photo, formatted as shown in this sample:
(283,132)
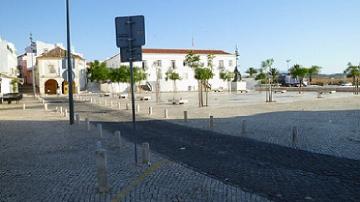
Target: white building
(163,60)
(28,60)
(8,67)
(8,58)
(50,67)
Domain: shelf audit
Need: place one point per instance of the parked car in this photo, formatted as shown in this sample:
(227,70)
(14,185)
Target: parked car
(9,97)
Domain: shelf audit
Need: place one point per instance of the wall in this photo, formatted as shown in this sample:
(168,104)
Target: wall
(186,73)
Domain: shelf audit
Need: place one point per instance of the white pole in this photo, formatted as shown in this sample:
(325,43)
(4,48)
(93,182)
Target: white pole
(24,106)
(146,153)
(166,113)
(101,170)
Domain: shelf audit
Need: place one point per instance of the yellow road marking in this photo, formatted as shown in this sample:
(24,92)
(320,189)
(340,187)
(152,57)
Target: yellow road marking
(125,191)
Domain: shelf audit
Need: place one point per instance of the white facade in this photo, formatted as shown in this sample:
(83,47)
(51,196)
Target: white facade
(173,59)
(50,67)
(8,59)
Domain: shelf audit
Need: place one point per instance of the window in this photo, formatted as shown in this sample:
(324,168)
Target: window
(157,63)
(221,64)
(230,63)
(51,69)
(173,64)
(144,65)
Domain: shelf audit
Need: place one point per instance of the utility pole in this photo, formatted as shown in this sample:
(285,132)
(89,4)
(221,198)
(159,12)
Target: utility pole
(69,68)
(32,64)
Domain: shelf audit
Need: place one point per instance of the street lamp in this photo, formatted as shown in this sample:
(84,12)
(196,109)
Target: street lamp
(69,69)
(32,50)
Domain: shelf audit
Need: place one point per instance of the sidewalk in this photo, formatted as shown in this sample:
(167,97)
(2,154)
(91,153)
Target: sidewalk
(45,159)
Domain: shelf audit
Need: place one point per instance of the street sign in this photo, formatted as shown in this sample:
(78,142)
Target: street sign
(65,75)
(135,53)
(130,29)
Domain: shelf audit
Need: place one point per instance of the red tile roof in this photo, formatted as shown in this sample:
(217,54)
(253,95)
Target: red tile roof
(57,52)
(183,51)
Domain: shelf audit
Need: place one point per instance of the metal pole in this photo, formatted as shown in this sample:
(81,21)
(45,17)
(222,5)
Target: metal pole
(70,80)
(129,22)
(32,65)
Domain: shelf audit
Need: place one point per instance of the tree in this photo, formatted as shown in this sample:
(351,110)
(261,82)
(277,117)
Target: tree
(174,76)
(203,75)
(261,76)
(98,72)
(299,73)
(122,75)
(193,61)
(274,73)
(267,66)
(251,71)
(227,76)
(313,70)
(352,71)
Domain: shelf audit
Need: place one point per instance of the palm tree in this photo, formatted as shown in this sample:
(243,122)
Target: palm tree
(313,70)
(227,76)
(352,71)
(299,73)
(274,73)
(172,75)
(267,65)
(251,71)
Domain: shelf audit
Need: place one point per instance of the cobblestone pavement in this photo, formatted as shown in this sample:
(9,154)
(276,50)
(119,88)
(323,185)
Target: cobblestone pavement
(44,159)
(279,173)
(326,126)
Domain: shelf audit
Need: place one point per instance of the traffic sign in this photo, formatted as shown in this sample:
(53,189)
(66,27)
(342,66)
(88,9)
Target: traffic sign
(127,55)
(65,75)
(130,29)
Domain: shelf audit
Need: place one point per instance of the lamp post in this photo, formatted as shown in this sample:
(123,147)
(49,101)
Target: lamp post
(32,64)
(69,68)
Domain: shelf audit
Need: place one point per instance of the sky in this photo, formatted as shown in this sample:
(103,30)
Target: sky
(308,32)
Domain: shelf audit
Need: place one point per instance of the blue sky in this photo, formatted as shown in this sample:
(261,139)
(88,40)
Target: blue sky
(321,32)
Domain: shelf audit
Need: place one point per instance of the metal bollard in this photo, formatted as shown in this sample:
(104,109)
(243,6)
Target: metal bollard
(45,107)
(185,116)
(127,106)
(294,137)
(66,113)
(101,170)
(91,100)
(77,119)
(24,106)
(61,110)
(150,110)
(99,126)
(243,126)
(138,108)
(118,135)
(87,124)
(211,122)
(119,105)
(146,153)
(166,113)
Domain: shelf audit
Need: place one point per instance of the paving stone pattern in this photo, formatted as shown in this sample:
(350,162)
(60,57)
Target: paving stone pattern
(44,159)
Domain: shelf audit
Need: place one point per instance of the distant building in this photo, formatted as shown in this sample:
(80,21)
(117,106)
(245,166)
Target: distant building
(50,68)
(8,68)
(8,61)
(156,62)
(27,60)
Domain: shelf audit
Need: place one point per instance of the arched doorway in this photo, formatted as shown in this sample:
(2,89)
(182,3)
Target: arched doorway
(51,87)
(65,87)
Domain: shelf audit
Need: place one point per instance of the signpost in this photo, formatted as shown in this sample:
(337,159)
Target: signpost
(69,71)
(130,36)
